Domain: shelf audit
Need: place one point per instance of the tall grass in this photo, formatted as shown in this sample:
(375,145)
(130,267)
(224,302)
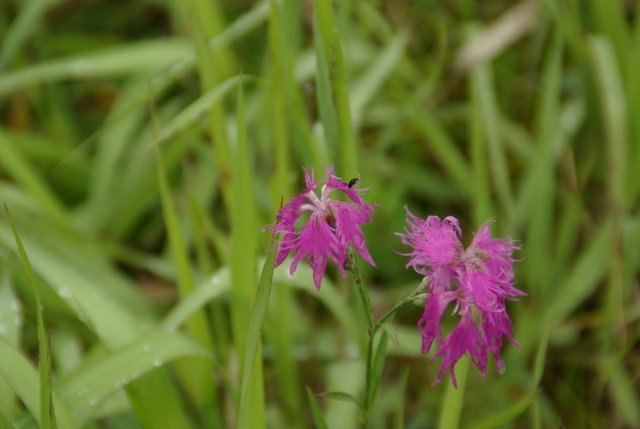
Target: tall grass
(144,146)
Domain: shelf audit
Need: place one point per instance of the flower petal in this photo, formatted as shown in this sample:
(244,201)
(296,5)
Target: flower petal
(435,242)
(429,323)
(465,338)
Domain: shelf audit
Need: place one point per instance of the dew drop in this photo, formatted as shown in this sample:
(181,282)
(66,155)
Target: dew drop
(64,293)
(146,347)
(157,363)
(18,320)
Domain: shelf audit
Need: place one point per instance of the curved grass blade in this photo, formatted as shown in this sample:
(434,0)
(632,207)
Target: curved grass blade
(219,285)
(142,56)
(344,397)
(195,111)
(93,382)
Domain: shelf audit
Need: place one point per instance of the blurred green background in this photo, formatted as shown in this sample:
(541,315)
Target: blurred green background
(139,177)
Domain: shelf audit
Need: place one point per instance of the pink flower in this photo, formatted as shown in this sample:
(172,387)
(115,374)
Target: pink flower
(332,226)
(477,280)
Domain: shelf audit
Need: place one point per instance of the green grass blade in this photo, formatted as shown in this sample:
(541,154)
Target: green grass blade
(326,105)
(366,87)
(135,57)
(482,81)
(325,23)
(614,112)
(243,262)
(343,397)
(584,277)
(18,372)
(194,373)
(282,93)
(444,149)
(316,411)
(28,19)
(254,334)
(215,286)
(5,423)
(47,410)
(377,367)
(196,110)
(23,173)
(454,397)
(91,296)
(523,404)
(219,284)
(10,330)
(94,381)
(625,396)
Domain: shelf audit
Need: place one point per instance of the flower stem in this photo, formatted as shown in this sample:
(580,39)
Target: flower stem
(454,398)
(369,388)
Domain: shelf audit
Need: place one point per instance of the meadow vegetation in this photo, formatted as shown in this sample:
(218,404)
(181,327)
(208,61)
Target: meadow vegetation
(145,145)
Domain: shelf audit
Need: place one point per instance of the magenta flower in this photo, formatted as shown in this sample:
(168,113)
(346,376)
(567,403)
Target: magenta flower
(477,280)
(332,226)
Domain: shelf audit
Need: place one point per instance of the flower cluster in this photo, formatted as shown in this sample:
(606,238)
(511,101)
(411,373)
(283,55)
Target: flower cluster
(332,226)
(477,280)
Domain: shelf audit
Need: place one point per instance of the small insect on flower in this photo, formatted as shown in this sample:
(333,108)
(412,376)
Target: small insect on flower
(332,228)
(478,280)
(353,182)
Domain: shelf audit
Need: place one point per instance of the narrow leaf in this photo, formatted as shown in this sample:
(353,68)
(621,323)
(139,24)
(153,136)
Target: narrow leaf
(318,418)
(47,419)
(254,333)
(94,381)
(377,367)
(342,396)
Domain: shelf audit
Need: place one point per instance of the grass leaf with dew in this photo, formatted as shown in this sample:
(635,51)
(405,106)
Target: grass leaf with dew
(23,378)
(96,380)
(47,410)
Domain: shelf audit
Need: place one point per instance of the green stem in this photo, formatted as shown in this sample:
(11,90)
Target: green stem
(454,398)
(372,331)
(367,384)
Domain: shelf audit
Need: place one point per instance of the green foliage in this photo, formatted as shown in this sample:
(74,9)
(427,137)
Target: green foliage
(138,186)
